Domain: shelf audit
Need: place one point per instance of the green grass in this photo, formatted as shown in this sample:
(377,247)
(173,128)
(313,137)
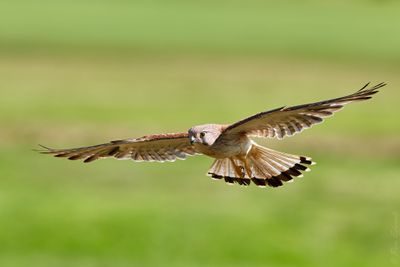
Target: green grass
(116,214)
(350,31)
(80,73)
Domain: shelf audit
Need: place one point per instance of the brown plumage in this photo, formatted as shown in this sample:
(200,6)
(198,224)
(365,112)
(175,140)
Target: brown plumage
(238,159)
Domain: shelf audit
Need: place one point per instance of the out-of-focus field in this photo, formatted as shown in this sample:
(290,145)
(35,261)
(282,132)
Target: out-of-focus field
(78,73)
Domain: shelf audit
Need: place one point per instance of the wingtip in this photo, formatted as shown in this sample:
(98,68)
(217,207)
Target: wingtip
(365,86)
(375,87)
(43,149)
(379,85)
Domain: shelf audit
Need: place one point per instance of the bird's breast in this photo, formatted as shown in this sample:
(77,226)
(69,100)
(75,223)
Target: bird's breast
(226,149)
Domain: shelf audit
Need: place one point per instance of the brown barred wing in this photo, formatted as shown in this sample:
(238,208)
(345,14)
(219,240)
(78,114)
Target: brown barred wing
(287,121)
(160,147)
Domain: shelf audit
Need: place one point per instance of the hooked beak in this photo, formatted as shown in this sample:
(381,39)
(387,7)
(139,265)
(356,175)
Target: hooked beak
(192,140)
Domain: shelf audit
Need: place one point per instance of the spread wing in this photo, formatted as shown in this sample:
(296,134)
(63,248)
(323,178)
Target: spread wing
(287,121)
(162,147)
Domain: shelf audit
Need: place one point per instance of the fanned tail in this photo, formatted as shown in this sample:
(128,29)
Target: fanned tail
(262,166)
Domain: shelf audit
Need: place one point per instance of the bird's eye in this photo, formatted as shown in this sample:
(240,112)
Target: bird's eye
(202,134)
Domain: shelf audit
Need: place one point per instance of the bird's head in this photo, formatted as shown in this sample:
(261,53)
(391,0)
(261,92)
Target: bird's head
(204,134)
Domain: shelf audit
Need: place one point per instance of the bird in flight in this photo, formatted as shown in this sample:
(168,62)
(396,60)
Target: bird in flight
(238,159)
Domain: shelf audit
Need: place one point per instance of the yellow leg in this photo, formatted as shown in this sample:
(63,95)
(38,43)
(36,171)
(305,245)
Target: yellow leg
(247,168)
(238,169)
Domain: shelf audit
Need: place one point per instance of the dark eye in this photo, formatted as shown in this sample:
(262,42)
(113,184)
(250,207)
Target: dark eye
(202,134)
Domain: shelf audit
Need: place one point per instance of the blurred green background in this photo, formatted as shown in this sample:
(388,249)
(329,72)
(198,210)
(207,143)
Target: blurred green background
(78,73)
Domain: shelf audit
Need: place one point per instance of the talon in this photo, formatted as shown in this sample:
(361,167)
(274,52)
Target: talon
(242,170)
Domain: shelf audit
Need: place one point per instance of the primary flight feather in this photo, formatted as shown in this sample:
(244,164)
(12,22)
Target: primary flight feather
(238,159)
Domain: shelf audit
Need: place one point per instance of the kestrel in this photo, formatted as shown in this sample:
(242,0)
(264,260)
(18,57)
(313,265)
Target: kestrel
(238,159)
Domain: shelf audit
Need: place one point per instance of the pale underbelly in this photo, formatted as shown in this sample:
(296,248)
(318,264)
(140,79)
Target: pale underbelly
(225,150)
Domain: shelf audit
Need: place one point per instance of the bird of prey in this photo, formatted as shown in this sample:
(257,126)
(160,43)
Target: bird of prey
(238,159)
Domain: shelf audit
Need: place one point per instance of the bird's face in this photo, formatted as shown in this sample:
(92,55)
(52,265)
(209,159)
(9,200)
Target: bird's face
(204,134)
